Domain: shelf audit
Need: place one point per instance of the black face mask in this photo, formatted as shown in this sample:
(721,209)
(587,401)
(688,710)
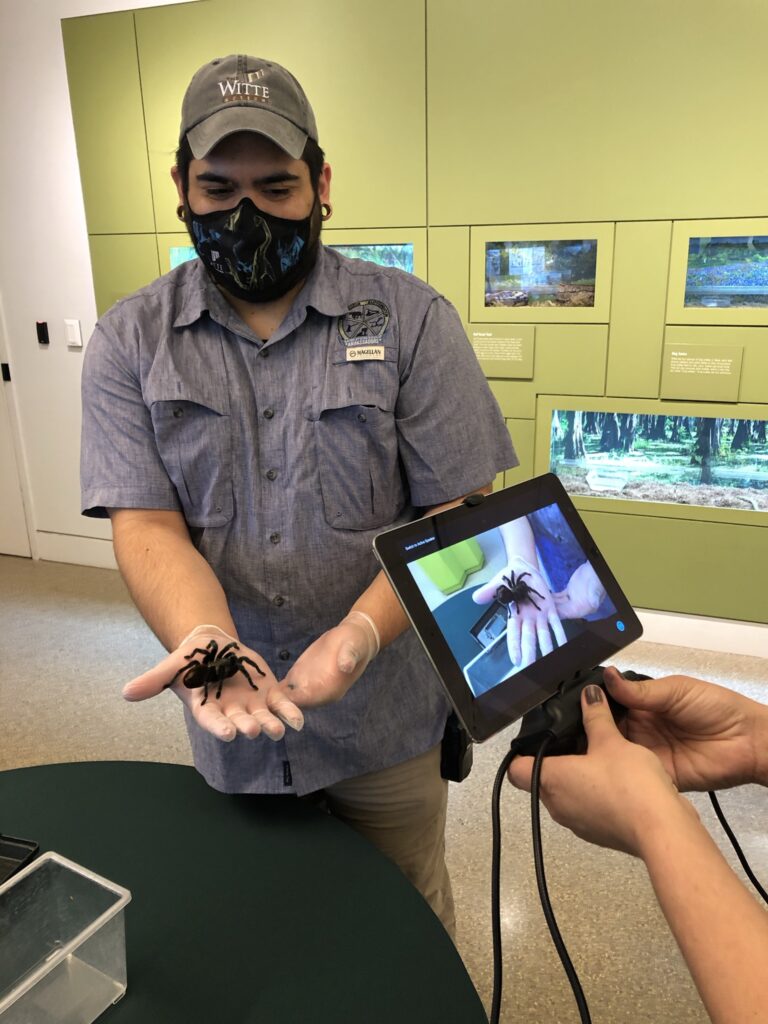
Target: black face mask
(253,255)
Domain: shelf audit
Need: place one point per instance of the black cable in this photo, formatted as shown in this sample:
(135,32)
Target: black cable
(540,881)
(495,877)
(734,843)
(549,914)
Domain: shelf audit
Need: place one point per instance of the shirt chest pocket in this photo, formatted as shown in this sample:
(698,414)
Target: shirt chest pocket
(361,477)
(194,439)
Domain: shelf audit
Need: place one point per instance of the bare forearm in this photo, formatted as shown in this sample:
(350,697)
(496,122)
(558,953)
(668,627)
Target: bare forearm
(172,585)
(761,744)
(721,930)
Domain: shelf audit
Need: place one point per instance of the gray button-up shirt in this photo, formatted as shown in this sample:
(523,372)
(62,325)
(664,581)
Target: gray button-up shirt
(366,406)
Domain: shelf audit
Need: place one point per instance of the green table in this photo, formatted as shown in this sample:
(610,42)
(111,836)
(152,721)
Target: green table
(245,909)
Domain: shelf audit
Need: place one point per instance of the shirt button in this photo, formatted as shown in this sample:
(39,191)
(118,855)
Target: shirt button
(268,414)
(178,412)
(284,655)
(362,417)
(271,474)
(279,600)
(264,353)
(274,538)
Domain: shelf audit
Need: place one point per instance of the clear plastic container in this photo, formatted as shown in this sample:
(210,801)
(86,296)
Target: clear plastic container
(62,944)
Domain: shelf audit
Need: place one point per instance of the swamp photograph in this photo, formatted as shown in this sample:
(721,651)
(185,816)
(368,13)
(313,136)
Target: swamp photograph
(727,271)
(398,255)
(684,460)
(551,273)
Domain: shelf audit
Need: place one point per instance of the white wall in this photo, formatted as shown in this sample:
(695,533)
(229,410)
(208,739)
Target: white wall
(45,271)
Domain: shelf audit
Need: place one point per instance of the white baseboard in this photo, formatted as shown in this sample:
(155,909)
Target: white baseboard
(698,631)
(61,547)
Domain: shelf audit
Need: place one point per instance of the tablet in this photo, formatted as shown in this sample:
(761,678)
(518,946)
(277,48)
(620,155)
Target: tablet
(509,596)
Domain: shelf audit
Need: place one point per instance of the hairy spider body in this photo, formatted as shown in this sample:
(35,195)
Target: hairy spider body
(214,667)
(516,591)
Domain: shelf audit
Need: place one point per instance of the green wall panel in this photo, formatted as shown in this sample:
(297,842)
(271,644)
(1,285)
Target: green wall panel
(680,566)
(522,433)
(370,115)
(448,250)
(638,302)
(121,265)
(602,110)
(516,398)
(570,359)
(105,94)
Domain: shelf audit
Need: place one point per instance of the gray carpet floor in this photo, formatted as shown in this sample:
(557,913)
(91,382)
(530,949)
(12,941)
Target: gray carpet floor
(69,638)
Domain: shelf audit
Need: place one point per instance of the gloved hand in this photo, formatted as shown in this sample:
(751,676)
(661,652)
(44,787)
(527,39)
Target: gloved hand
(241,707)
(330,665)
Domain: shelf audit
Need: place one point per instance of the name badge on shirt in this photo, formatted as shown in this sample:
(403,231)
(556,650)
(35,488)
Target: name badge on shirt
(358,352)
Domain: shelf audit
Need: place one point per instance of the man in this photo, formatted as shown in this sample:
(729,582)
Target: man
(251,421)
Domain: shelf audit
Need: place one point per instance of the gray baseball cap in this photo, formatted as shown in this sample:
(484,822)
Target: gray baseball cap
(245,94)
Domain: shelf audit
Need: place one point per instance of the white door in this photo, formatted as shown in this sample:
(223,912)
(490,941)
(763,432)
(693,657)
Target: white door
(13,525)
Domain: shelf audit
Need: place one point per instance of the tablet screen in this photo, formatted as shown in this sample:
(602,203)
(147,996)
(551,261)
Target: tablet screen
(510,597)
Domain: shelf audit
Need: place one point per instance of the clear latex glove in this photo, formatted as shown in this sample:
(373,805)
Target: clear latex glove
(330,665)
(528,627)
(241,708)
(583,595)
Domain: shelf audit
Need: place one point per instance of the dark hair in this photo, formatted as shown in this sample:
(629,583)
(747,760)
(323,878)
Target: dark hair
(313,156)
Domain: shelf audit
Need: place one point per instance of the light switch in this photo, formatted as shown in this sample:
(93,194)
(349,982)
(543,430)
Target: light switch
(72,333)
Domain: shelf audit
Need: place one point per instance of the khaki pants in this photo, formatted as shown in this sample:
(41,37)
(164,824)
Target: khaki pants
(401,810)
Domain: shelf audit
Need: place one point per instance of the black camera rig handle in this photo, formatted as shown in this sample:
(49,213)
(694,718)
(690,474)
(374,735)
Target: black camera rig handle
(560,716)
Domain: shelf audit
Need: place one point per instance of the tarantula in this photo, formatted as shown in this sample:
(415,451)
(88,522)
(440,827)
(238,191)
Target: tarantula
(516,591)
(214,667)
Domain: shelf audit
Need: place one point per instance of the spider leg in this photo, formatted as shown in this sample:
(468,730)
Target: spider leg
(177,674)
(517,607)
(538,609)
(247,676)
(205,693)
(188,670)
(229,647)
(249,661)
(198,650)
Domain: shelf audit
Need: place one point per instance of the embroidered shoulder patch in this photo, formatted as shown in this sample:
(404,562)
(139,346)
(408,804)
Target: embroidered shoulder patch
(365,321)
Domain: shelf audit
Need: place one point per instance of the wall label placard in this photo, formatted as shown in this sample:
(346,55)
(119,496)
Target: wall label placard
(707,373)
(504,350)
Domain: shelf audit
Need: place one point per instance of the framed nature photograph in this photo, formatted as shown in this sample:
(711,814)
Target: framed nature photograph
(719,272)
(541,273)
(659,458)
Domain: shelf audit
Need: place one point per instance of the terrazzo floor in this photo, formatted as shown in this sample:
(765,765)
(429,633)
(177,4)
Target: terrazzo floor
(69,638)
